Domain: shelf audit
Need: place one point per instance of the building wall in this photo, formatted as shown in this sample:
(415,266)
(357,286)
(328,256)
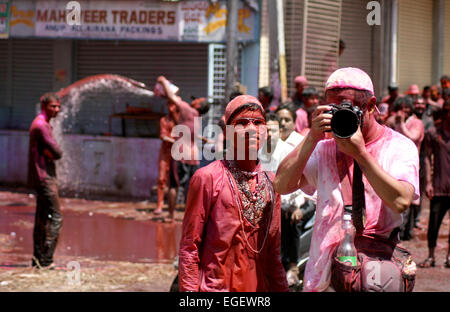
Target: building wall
(415,42)
(358,44)
(293,28)
(446,69)
(91,165)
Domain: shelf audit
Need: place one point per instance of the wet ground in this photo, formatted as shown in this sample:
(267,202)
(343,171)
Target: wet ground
(119,246)
(122,246)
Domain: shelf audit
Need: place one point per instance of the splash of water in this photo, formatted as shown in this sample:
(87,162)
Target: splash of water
(85,109)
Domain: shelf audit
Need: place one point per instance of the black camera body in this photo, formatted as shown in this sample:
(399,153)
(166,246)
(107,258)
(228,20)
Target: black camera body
(346,119)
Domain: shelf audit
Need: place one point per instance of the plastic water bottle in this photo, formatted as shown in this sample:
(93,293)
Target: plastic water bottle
(346,251)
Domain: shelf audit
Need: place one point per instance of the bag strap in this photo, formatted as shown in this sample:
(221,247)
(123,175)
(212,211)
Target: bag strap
(353,194)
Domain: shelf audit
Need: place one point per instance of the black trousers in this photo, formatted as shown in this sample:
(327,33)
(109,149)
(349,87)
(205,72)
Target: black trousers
(180,175)
(291,233)
(290,236)
(439,206)
(47,224)
(407,228)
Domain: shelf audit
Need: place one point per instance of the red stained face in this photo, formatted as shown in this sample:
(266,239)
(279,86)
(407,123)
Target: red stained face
(52,109)
(311,101)
(338,96)
(249,127)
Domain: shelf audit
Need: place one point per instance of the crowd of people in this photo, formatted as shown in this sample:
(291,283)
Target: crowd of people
(228,230)
(244,216)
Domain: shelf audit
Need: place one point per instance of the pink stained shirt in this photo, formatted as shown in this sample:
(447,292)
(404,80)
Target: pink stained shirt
(40,166)
(214,255)
(415,123)
(397,155)
(301,121)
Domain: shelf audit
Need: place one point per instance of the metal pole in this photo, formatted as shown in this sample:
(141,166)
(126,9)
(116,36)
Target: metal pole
(394,21)
(281,50)
(232,49)
(438,39)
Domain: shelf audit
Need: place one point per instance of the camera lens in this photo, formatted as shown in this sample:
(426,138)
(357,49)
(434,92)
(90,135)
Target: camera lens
(344,123)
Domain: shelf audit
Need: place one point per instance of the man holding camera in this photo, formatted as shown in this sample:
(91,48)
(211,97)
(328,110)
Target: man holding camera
(388,161)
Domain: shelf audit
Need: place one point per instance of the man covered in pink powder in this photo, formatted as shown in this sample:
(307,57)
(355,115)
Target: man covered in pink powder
(388,160)
(43,151)
(300,84)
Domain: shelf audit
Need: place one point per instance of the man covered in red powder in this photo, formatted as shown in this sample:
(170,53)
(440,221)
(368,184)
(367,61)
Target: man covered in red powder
(231,227)
(166,125)
(300,83)
(43,151)
(437,189)
(182,170)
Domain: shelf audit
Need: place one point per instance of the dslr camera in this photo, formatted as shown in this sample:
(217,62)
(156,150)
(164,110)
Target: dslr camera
(346,119)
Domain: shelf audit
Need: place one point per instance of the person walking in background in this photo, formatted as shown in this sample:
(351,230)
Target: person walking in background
(43,151)
(445,82)
(287,115)
(265,96)
(311,100)
(300,83)
(391,98)
(437,189)
(182,170)
(166,125)
(406,122)
(436,98)
(413,91)
(423,111)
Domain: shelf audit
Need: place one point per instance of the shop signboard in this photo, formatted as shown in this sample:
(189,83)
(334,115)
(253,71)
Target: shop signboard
(188,21)
(205,21)
(108,20)
(22,18)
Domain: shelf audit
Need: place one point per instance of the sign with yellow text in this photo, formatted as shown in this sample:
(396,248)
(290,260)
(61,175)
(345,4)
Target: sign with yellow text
(22,18)
(206,21)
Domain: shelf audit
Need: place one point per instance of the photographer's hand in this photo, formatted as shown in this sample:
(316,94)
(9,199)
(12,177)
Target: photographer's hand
(320,123)
(354,146)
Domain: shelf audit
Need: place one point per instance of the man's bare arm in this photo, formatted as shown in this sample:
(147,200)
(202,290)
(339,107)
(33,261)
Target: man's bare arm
(397,194)
(289,177)
(170,95)
(413,134)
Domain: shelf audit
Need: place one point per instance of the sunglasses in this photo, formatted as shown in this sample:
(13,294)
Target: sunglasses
(246,121)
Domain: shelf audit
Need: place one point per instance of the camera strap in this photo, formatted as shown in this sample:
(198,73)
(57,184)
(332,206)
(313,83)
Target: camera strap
(353,194)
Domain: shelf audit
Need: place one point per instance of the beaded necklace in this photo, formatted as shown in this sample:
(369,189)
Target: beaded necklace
(253,203)
(252,209)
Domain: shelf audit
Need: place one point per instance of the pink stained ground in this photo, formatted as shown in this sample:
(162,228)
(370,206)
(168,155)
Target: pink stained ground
(121,247)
